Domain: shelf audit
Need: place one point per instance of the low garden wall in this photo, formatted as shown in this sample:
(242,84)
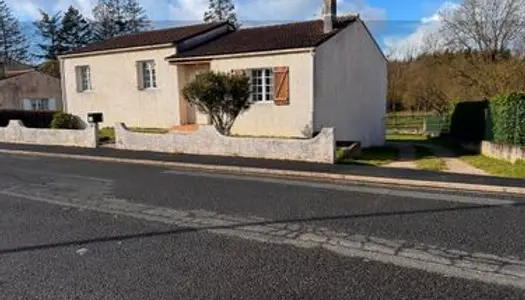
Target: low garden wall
(506,152)
(17,133)
(207,141)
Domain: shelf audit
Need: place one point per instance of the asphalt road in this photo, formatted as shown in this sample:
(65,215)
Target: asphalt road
(87,230)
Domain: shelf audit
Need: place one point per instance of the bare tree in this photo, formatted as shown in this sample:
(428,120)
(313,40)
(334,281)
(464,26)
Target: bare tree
(486,26)
(487,34)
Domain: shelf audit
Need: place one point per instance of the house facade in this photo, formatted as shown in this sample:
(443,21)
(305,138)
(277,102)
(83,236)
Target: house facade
(304,76)
(30,90)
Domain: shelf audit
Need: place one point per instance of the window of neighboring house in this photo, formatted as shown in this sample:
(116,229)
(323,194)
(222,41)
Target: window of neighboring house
(84,78)
(37,104)
(262,85)
(147,75)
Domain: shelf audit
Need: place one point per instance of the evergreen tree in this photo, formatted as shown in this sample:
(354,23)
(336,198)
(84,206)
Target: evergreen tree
(221,10)
(49,28)
(119,17)
(13,43)
(106,17)
(135,17)
(76,31)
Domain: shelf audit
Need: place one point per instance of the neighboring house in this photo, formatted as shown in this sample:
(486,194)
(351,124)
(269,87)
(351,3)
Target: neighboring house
(24,88)
(305,76)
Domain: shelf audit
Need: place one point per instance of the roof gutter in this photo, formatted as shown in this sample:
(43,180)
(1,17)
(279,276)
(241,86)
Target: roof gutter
(182,60)
(114,51)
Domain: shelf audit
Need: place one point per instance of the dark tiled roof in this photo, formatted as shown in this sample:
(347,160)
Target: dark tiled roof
(14,65)
(148,38)
(9,76)
(267,38)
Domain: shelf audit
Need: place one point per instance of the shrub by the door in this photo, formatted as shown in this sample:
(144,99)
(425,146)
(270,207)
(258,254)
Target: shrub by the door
(223,97)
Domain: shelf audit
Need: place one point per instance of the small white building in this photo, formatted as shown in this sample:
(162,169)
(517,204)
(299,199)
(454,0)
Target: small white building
(305,76)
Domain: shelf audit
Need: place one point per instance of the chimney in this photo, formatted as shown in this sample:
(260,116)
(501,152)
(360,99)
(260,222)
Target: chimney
(329,14)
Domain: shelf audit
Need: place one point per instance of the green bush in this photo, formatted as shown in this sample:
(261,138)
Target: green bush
(62,120)
(31,119)
(507,116)
(468,122)
(221,96)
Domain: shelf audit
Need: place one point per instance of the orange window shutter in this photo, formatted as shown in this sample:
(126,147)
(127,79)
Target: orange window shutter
(281,85)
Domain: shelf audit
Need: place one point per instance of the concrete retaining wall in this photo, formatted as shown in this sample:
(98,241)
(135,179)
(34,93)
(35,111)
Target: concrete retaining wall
(207,141)
(17,133)
(502,151)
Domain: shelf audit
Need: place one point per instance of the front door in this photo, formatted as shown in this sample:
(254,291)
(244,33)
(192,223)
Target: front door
(191,71)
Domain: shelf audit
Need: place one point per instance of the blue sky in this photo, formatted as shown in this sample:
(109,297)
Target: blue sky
(394,23)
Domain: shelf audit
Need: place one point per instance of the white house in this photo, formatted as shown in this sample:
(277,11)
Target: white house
(305,76)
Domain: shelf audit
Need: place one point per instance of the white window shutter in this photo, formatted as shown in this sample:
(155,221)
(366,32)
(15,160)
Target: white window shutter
(140,76)
(27,104)
(52,104)
(78,74)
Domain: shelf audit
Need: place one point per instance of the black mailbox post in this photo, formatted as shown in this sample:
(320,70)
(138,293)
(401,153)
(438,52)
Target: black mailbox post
(95,118)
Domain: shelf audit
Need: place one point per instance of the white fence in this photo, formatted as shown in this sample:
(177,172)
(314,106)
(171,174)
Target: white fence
(510,153)
(17,133)
(207,141)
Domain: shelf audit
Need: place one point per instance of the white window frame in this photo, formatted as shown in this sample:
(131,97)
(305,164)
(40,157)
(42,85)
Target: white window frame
(149,74)
(39,104)
(267,94)
(85,78)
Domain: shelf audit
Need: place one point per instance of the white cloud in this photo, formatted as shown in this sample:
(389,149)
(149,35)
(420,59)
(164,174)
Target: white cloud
(26,9)
(188,10)
(275,10)
(193,10)
(425,36)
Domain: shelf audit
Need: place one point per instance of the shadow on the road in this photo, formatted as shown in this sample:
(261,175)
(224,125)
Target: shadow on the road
(240,225)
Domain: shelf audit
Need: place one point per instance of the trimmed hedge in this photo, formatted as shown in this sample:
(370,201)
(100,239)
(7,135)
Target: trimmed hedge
(32,119)
(507,114)
(468,121)
(62,120)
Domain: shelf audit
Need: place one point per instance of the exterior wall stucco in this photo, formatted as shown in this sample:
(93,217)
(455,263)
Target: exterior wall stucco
(115,89)
(351,87)
(31,85)
(511,153)
(17,133)
(267,119)
(207,141)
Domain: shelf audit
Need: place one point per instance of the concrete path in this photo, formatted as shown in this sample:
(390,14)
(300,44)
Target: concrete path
(407,156)
(454,164)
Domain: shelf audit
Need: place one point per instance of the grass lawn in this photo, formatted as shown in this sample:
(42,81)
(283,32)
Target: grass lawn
(149,130)
(107,134)
(496,166)
(375,156)
(406,138)
(426,160)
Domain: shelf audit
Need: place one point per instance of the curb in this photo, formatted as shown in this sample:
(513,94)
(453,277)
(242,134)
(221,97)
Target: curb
(451,186)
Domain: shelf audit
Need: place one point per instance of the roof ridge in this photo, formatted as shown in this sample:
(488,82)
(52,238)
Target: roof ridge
(278,25)
(166,29)
(346,17)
